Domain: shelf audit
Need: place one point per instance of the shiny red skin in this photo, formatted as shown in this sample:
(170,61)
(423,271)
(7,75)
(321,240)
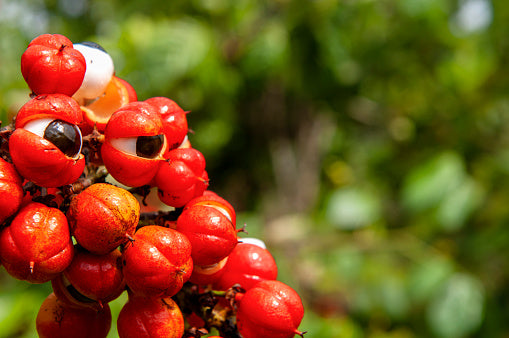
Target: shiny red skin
(212,199)
(132,120)
(102,217)
(158,262)
(38,235)
(211,233)
(68,295)
(37,159)
(40,161)
(174,120)
(247,265)
(56,106)
(269,309)
(133,96)
(57,320)
(98,277)
(50,64)
(207,275)
(150,318)
(11,190)
(182,177)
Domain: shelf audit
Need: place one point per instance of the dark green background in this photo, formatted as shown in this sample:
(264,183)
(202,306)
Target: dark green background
(365,141)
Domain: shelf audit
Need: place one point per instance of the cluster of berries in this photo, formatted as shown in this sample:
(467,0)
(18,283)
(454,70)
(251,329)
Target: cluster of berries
(62,222)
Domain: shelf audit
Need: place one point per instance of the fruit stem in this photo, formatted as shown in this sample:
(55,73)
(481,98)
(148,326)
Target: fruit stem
(130,238)
(62,48)
(243,229)
(300,333)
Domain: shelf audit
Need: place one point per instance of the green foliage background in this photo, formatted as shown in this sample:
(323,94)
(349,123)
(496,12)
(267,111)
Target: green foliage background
(365,141)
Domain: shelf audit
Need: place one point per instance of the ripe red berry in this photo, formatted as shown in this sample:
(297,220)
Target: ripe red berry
(211,233)
(98,277)
(46,145)
(50,64)
(181,177)
(210,198)
(103,217)
(150,318)
(158,262)
(11,190)
(174,120)
(57,320)
(37,245)
(134,144)
(269,309)
(247,265)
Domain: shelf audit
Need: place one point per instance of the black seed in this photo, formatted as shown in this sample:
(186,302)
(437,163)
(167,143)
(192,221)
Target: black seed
(149,146)
(64,136)
(93,45)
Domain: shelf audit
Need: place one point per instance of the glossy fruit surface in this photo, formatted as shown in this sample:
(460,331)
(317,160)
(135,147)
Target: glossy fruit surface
(37,245)
(181,177)
(247,265)
(158,262)
(50,64)
(150,318)
(210,232)
(56,320)
(269,309)
(98,277)
(11,190)
(134,144)
(174,120)
(102,217)
(211,199)
(46,145)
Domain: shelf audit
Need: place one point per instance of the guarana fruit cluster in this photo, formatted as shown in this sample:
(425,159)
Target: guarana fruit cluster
(77,168)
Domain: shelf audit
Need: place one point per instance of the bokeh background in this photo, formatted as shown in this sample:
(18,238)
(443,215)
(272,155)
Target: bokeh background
(366,141)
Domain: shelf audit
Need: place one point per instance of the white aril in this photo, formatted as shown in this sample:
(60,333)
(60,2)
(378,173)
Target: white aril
(254,241)
(98,73)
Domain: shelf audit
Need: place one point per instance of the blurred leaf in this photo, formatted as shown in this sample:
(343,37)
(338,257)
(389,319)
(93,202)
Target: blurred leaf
(457,309)
(427,184)
(353,208)
(427,276)
(459,205)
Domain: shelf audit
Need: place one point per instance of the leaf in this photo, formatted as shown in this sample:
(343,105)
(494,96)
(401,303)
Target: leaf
(457,309)
(353,208)
(427,184)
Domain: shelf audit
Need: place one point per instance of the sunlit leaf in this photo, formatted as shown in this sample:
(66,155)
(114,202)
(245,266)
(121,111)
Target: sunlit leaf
(457,309)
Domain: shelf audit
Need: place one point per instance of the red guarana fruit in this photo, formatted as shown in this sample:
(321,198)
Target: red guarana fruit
(247,265)
(150,318)
(46,145)
(37,245)
(158,262)
(57,320)
(134,144)
(269,309)
(181,177)
(11,190)
(102,217)
(50,65)
(211,233)
(210,198)
(174,119)
(98,277)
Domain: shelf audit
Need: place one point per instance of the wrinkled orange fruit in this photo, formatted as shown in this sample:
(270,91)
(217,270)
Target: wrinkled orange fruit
(99,110)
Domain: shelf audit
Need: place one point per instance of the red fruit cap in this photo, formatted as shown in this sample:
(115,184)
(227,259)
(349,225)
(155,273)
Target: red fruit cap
(57,106)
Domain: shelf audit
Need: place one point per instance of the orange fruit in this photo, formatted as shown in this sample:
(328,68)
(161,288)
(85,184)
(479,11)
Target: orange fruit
(98,111)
